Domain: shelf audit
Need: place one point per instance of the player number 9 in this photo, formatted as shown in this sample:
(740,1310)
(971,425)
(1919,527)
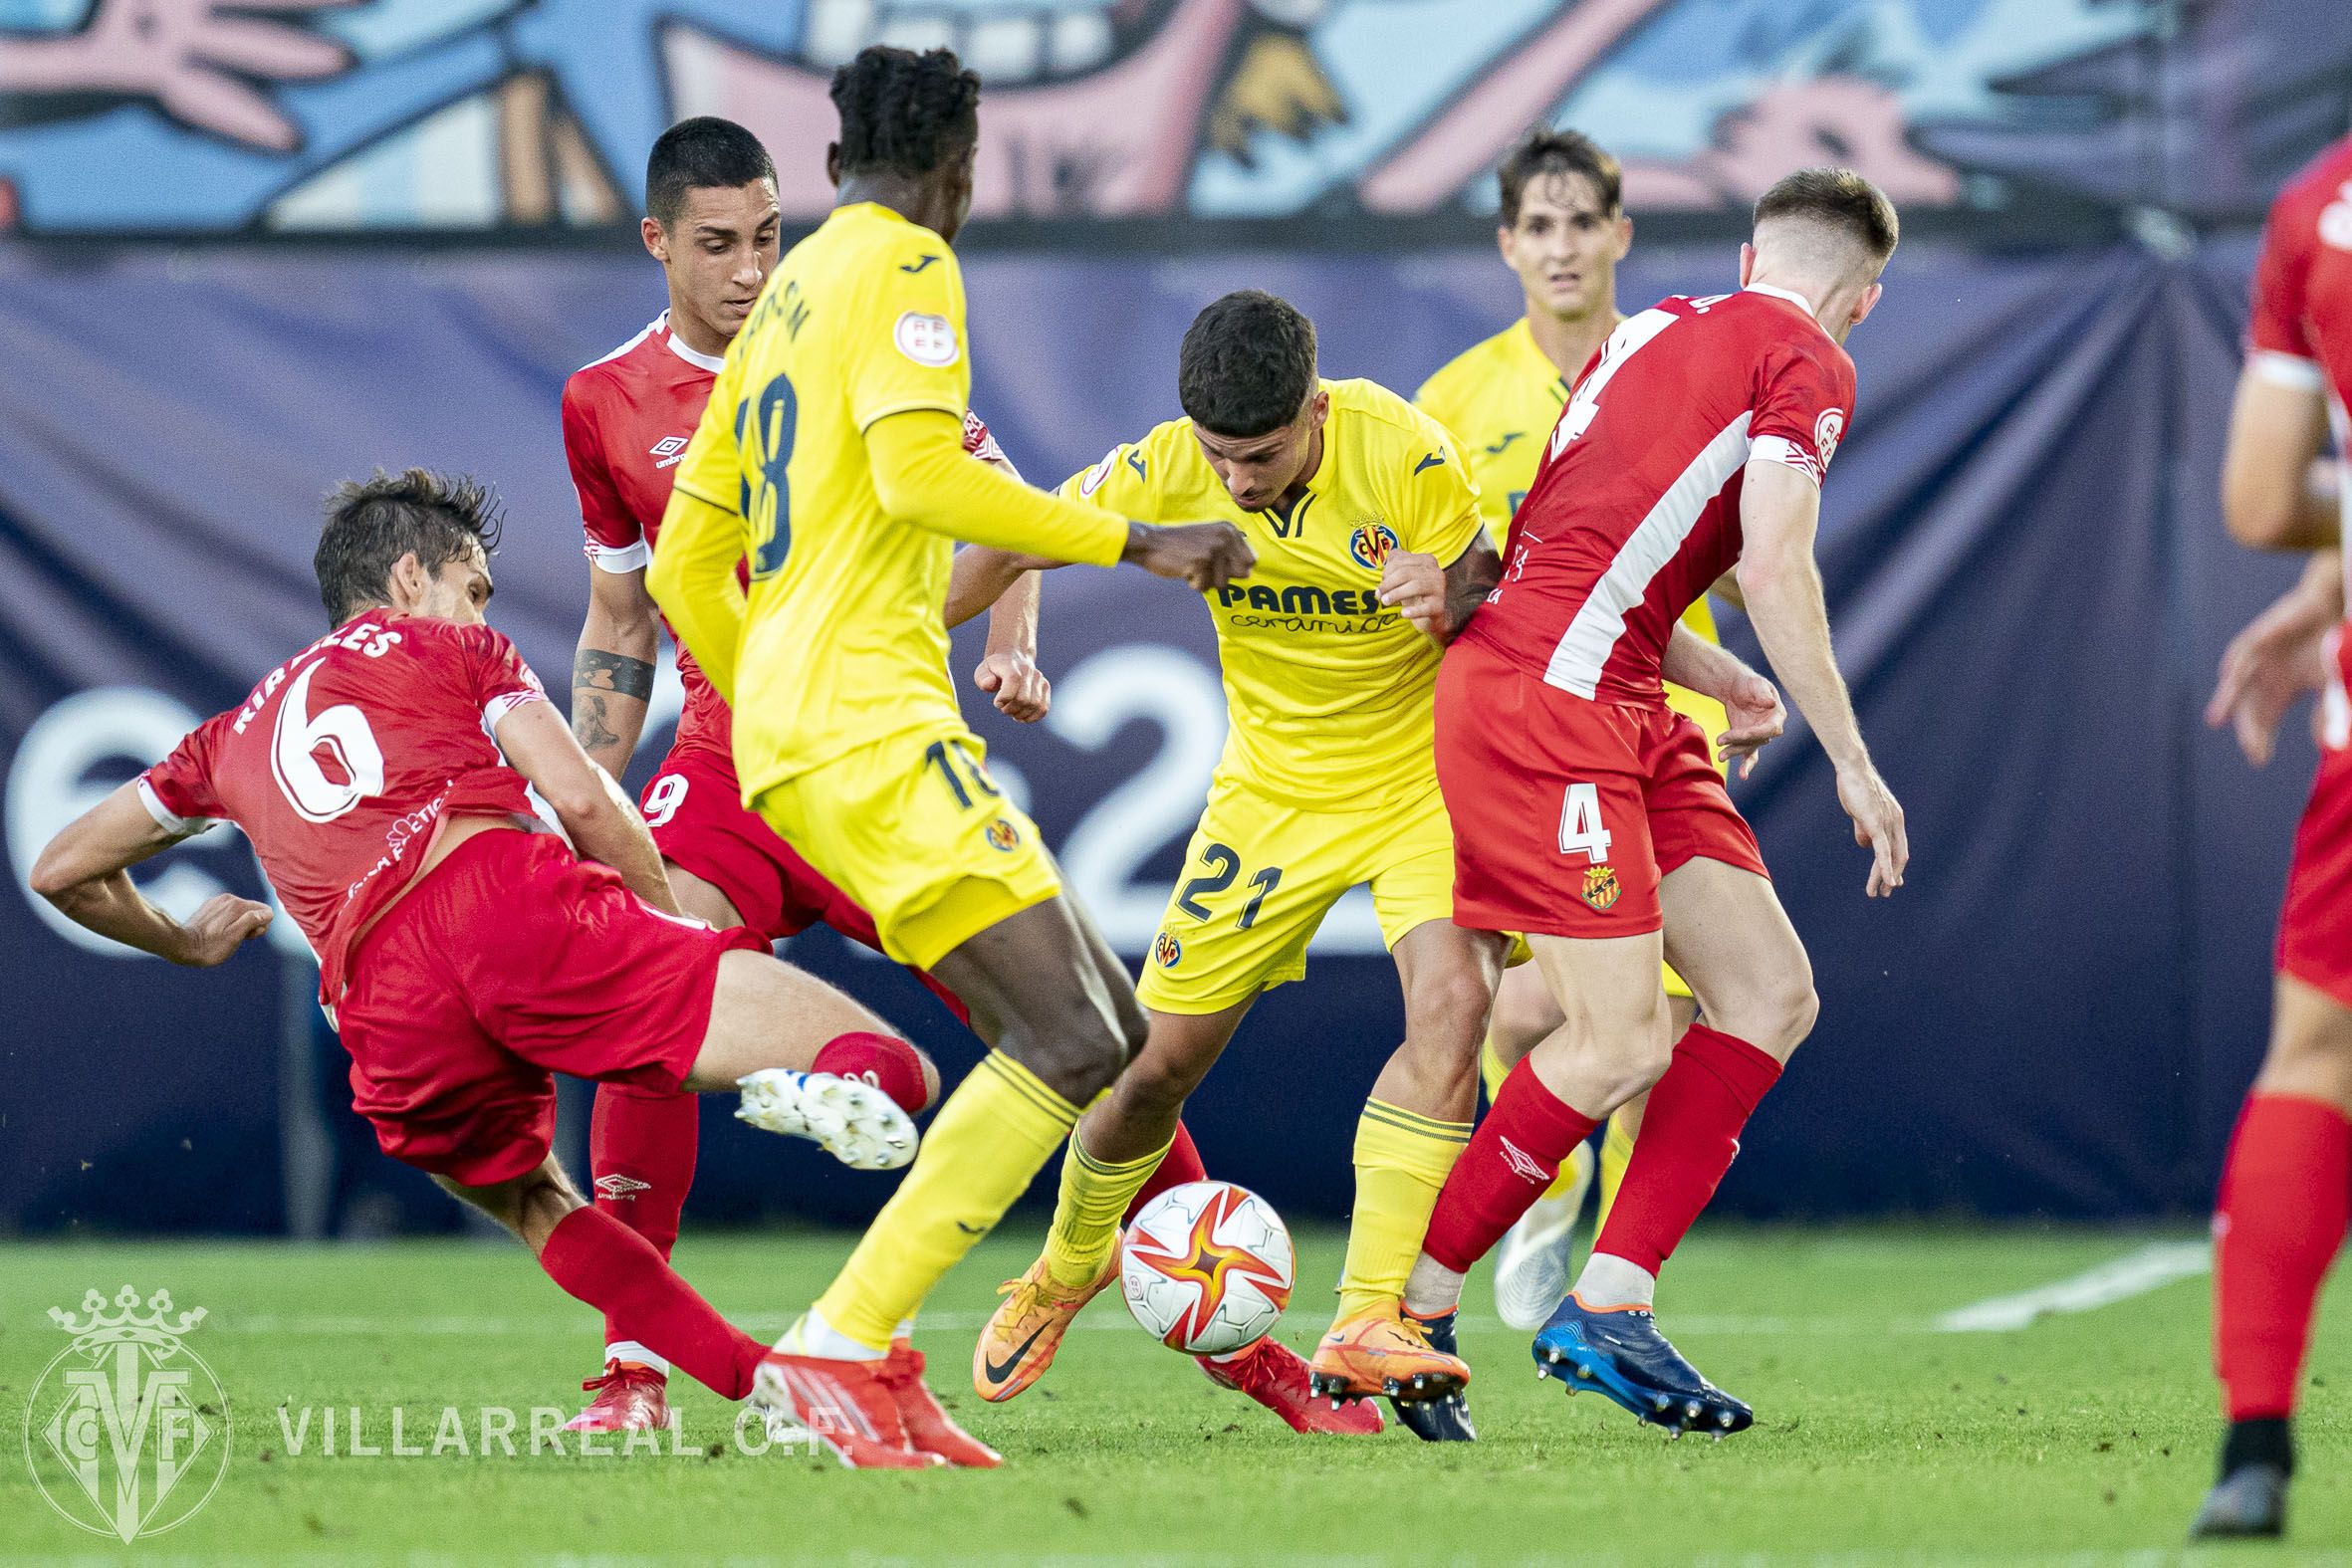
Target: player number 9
(664,799)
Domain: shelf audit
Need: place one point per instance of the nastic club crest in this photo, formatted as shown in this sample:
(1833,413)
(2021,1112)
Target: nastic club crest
(1600,886)
(126,1433)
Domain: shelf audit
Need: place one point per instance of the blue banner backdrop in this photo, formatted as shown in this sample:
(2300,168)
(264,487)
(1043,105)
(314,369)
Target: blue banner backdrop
(2024,561)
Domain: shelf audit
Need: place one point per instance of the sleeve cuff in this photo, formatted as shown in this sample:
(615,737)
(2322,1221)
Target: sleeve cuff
(1787,453)
(2290,371)
(166,818)
(497,707)
(617,558)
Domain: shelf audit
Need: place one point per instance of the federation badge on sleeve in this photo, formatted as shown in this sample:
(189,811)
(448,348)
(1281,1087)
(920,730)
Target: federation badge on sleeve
(927,340)
(1166,950)
(1600,886)
(1002,835)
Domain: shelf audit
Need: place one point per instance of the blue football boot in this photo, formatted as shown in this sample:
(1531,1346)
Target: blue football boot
(1619,1351)
(1444,1419)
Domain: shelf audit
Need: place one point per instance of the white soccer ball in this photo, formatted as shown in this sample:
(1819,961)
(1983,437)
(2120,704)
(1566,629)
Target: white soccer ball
(1205,1267)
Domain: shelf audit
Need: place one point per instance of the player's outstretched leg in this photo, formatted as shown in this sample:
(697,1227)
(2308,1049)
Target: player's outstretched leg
(2285,1203)
(1413,1128)
(641,1149)
(1056,1003)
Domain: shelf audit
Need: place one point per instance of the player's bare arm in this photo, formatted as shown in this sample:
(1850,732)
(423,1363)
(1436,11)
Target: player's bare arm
(2279,657)
(612,672)
(601,822)
(1009,670)
(2276,493)
(1752,705)
(1779,513)
(86,873)
(1438,601)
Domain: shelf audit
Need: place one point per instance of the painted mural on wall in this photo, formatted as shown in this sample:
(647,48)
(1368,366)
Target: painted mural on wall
(293,115)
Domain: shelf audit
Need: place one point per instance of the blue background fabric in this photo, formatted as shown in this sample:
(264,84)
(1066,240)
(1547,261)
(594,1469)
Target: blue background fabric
(2026,571)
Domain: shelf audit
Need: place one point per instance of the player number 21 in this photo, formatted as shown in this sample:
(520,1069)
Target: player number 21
(1223,866)
(1580,823)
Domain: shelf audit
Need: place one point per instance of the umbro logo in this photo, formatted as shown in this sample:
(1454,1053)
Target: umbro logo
(621,1189)
(668,450)
(1523,1164)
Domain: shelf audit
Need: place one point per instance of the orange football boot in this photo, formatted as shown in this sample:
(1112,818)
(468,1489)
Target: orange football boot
(1382,1352)
(1025,1331)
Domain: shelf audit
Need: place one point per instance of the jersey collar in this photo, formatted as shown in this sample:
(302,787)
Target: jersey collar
(1790,294)
(694,357)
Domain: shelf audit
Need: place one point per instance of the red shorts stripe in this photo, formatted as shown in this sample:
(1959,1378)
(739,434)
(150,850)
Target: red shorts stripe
(1566,811)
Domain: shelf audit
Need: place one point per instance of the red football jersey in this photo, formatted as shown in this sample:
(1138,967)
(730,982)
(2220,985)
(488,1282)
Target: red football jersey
(346,761)
(627,420)
(1635,511)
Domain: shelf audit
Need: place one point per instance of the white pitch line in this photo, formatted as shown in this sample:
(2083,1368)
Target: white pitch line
(2136,1273)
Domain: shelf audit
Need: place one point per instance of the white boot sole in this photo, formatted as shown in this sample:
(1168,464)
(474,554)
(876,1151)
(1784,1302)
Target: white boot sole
(857,1123)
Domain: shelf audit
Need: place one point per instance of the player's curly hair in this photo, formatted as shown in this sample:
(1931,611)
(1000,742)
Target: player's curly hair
(1246,367)
(1546,150)
(696,154)
(373,522)
(904,113)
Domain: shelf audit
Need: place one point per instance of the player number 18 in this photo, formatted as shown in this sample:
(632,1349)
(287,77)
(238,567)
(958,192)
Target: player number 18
(1580,825)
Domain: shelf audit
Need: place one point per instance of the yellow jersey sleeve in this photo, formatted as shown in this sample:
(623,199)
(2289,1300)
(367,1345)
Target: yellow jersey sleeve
(924,478)
(702,538)
(1437,502)
(1124,482)
(909,352)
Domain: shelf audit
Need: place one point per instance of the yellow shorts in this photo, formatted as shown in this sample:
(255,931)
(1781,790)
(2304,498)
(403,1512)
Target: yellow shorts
(1258,878)
(1709,715)
(914,830)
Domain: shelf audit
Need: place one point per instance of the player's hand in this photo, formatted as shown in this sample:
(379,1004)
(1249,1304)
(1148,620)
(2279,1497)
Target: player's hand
(2278,658)
(1414,585)
(1206,555)
(219,927)
(1756,719)
(1878,826)
(1020,689)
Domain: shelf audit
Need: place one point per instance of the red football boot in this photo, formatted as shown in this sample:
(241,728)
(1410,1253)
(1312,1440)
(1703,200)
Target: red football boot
(930,1429)
(844,1405)
(1270,1373)
(630,1397)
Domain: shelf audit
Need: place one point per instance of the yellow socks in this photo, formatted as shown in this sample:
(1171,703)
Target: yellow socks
(1616,1149)
(1401,1161)
(1094,1197)
(989,1140)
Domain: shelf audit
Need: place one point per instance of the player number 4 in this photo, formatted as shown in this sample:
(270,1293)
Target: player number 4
(1580,825)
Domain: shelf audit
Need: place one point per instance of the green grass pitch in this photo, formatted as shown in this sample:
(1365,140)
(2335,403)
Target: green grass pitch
(1880,1439)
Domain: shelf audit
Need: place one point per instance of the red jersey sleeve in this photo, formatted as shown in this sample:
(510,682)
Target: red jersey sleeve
(496,677)
(1801,409)
(982,443)
(2278,344)
(178,791)
(615,541)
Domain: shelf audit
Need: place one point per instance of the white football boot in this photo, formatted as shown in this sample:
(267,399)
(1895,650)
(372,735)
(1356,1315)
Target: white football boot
(1532,1264)
(855,1122)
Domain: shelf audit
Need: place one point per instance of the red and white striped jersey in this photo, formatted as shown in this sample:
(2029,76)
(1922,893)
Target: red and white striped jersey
(1636,509)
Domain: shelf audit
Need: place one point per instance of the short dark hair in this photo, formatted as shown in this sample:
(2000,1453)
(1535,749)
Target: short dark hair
(904,113)
(1546,150)
(1838,200)
(373,522)
(1246,367)
(697,155)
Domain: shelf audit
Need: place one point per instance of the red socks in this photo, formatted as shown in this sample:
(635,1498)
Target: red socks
(1510,1160)
(1689,1135)
(618,1272)
(2286,1198)
(1181,1164)
(889,1065)
(641,1145)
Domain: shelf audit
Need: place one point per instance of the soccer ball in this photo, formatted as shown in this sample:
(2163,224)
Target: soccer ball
(1206,1267)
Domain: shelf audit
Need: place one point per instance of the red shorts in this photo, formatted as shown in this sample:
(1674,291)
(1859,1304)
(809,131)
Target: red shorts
(509,961)
(2315,926)
(700,823)
(1568,812)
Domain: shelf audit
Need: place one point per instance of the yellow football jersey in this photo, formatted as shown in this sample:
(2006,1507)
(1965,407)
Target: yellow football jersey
(842,642)
(1501,398)
(1330,691)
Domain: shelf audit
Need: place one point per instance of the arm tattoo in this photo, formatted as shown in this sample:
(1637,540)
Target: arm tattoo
(596,670)
(1469,580)
(588,723)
